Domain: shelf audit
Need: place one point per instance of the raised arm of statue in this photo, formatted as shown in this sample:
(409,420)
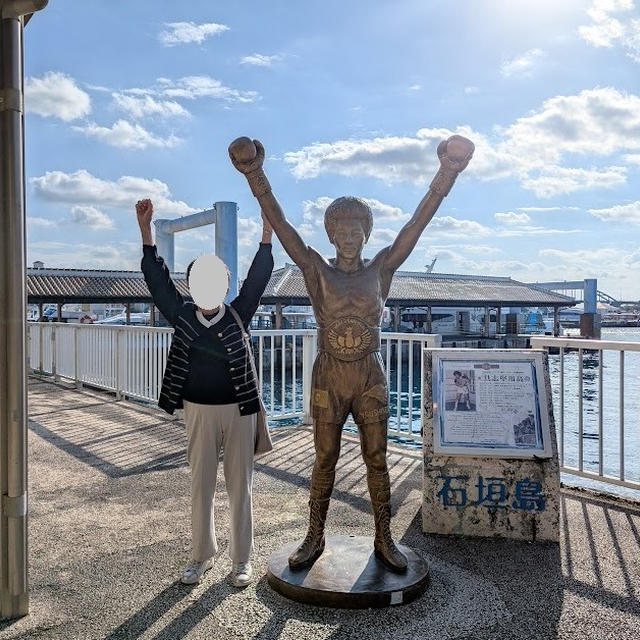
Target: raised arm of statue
(247,157)
(454,155)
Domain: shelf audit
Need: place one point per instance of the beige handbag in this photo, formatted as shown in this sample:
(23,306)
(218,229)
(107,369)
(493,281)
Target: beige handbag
(263,438)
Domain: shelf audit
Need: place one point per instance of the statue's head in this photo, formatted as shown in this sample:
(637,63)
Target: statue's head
(348,222)
(208,280)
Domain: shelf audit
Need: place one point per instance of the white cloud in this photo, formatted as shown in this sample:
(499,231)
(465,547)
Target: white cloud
(530,230)
(619,213)
(598,122)
(249,231)
(90,217)
(306,230)
(148,106)
(81,187)
(632,158)
(512,217)
(415,87)
(522,65)
(557,180)
(56,95)
(547,209)
(390,158)
(85,255)
(98,87)
(260,60)
(35,221)
(185,32)
(381,237)
(605,30)
(479,249)
(450,226)
(580,257)
(471,90)
(126,135)
(192,87)
(313,210)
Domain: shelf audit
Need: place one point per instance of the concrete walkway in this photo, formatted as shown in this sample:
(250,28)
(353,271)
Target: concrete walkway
(109,533)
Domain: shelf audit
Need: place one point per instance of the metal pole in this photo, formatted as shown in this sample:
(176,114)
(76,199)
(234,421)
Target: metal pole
(226,233)
(14,597)
(165,244)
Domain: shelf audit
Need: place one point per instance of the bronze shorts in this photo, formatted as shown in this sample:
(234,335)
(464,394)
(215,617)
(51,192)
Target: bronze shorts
(358,387)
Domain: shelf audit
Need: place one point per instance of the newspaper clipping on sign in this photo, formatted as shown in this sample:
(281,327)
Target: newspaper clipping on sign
(488,407)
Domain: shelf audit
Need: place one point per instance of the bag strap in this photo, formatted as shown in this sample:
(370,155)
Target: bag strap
(247,342)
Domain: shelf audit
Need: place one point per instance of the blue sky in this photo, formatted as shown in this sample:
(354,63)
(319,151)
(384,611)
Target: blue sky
(136,99)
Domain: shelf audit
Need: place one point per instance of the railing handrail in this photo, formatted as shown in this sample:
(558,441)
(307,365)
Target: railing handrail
(584,343)
(385,335)
(93,326)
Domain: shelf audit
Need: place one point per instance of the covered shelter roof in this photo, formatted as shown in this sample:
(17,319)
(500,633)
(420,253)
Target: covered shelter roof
(286,286)
(92,285)
(415,289)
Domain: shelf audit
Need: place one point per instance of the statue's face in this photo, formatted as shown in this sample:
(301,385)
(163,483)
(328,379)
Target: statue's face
(349,238)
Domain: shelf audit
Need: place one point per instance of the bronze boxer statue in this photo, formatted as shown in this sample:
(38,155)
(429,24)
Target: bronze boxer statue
(348,296)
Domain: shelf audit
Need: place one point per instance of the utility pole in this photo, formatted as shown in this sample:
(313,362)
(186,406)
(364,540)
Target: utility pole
(14,596)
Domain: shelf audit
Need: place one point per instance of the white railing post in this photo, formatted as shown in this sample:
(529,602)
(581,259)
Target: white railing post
(75,354)
(29,338)
(40,348)
(307,367)
(53,352)
(117,365)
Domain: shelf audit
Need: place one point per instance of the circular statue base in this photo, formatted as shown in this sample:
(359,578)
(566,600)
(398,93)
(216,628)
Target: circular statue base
(348,575)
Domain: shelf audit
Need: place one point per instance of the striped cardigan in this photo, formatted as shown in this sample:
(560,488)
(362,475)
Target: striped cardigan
(181,315)
(187,329)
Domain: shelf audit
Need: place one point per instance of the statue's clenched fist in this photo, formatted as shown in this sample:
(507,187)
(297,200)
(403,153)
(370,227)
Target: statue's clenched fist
(455,153)
(144,211)
(247,155)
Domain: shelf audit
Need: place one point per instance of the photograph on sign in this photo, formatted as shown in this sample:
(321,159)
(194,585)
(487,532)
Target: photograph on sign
(490,403)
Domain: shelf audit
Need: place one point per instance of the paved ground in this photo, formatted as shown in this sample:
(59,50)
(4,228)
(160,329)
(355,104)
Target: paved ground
(109,529)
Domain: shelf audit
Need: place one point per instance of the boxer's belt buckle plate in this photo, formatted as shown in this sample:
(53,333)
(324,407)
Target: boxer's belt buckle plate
(349,338)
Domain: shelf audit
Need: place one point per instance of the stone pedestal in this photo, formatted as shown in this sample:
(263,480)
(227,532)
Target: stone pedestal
(489,496)
(348,575)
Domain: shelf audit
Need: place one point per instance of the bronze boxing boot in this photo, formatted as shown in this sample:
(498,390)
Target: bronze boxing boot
(384,546)
(313,544)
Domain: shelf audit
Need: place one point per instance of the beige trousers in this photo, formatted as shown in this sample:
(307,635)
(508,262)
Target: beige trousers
(211,428)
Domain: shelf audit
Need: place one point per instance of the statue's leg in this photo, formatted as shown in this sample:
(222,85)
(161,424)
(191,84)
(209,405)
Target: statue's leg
(373,440)
(327,444)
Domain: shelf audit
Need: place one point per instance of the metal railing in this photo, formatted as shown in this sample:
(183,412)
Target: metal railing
(595,401)
(130,361)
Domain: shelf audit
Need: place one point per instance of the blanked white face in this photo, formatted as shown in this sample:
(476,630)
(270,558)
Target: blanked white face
(208,281)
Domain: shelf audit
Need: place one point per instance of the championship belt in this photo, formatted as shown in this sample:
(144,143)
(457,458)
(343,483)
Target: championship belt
(348,338)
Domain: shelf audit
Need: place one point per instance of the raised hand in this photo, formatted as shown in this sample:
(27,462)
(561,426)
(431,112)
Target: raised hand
(246,155)
(144,211)
(455,153)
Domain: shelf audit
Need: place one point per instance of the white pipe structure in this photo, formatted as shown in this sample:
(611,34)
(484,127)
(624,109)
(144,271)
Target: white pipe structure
(224,216)
(14,596)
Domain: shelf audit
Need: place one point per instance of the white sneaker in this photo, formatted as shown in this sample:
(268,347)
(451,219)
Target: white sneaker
(241,574)
(194,571)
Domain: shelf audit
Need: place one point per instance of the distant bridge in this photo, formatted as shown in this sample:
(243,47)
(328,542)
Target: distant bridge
(577,288)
